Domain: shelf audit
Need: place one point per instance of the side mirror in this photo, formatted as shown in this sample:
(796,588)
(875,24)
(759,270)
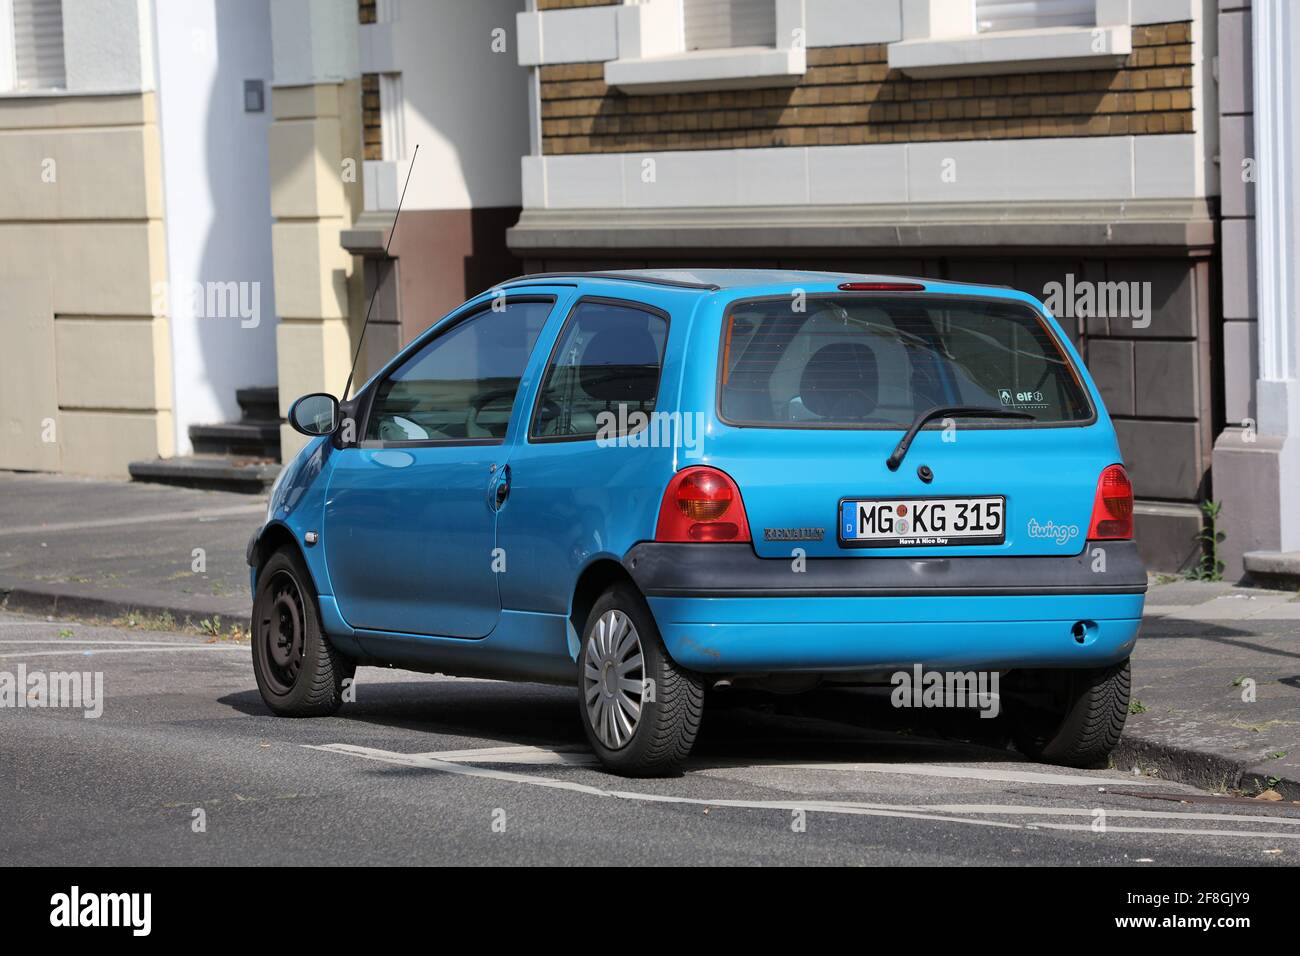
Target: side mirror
(315,415)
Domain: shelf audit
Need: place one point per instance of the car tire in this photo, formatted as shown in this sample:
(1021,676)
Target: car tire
(299,672)
(636,732)
(1083,722)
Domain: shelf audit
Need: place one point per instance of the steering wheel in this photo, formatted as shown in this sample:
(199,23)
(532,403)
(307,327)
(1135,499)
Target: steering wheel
(472,428)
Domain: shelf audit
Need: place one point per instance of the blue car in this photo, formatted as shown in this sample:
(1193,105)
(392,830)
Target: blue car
(646,484)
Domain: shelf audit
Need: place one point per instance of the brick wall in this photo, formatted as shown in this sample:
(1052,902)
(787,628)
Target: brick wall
(850,96)
(372,130)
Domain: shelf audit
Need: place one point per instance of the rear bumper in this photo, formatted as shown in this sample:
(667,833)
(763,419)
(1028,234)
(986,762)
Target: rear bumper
(722,609)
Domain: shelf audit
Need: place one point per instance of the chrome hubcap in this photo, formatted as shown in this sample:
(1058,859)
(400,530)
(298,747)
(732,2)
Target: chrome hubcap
(613,679)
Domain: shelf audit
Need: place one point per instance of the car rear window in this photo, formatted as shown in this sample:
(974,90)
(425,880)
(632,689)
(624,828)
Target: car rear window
(877,361)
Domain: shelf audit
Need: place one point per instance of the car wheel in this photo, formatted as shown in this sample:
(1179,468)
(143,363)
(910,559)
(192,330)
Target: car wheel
(641,712)
(1071,717)
(298,671)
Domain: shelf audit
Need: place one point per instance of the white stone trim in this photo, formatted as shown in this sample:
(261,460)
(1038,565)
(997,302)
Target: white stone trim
(731,69)
(1158,11)
(938,19)
(314,41)
(580,35)
(1277,99)
(841,22)
(1049,49)
(8,66)
(1096,168)
(375,47)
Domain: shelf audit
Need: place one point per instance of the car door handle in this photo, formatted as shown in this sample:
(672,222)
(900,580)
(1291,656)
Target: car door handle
(500,488)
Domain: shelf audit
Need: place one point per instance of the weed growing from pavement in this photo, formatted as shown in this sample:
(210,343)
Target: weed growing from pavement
(1209,568)
(165,621)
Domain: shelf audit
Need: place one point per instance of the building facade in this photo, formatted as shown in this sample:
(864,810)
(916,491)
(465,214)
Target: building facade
(1257,455)
(1130,162)
(135,283)
(1065,148)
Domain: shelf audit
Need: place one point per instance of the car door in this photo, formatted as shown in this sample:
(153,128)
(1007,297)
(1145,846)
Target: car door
(410,516)
(581,482)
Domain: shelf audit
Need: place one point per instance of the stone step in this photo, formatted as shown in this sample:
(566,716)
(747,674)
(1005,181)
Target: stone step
(215,472)
(1273,569)
(259,403)
(247,438)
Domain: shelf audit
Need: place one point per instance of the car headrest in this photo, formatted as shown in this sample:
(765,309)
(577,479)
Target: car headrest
(840,381)
(621,366)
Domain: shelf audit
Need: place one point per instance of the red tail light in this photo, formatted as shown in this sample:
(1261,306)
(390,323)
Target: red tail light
(881,287)
(1112,509)
(702,504)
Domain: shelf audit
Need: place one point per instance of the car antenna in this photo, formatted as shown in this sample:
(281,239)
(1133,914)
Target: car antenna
(393,229)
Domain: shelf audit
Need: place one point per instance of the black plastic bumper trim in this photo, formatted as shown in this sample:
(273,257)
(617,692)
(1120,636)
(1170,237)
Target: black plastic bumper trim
(663,569)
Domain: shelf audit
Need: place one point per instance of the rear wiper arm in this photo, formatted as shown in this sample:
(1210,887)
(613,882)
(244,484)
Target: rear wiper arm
(945,411)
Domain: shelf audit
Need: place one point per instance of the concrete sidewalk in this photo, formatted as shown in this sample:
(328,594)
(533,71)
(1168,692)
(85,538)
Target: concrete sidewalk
(80,548)
(1216,676)
(1216,688)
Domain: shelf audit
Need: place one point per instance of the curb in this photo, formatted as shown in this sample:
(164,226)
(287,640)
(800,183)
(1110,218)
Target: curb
(1200,768)
(76,600)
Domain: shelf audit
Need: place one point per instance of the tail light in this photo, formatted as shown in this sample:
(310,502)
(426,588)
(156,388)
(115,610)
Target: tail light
(881,287)
(1112,509)
(702,504)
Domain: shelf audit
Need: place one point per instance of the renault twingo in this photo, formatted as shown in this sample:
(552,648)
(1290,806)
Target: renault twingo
(643,483)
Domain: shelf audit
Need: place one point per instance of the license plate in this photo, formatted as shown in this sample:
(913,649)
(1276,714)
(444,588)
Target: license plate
(921,522)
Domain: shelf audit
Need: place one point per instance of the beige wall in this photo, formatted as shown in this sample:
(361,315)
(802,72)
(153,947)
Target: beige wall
(316,129)
(82,261)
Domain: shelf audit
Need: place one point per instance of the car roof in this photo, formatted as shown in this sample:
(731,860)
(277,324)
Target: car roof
(715,280)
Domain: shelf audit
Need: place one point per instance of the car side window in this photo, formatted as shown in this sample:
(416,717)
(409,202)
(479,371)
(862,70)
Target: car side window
(605,367)
(461,385)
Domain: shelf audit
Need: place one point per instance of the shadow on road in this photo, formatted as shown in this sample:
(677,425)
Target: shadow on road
(740,727)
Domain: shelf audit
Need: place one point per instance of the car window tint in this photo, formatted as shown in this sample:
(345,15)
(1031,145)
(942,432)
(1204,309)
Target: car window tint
(877,360)
(605,367)
(462,384)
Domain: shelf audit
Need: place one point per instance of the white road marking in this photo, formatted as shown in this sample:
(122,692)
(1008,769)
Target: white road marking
(1011,808)
(542,756)
(135,519)
(432,763)
(1174,831)
(973,773)
(945,813)
(36,623)
(78,640)
(133,650)
(518,755)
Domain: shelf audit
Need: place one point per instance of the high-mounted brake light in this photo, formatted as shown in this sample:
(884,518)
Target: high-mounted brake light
(1112,509)
(881,287)
(702,504)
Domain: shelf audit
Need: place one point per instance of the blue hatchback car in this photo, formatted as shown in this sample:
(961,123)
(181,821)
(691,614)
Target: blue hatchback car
(646,483)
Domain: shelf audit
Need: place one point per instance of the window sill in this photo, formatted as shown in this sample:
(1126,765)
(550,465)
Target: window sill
(1053,49)
(742,68)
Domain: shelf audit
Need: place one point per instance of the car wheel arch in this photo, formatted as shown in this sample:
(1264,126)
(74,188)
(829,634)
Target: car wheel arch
(274,537)
(597,577)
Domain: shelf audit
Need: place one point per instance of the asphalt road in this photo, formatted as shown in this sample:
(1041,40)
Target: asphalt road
(435,770)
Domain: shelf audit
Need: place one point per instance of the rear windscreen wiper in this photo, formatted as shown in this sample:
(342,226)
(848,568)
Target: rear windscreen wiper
(945,411)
